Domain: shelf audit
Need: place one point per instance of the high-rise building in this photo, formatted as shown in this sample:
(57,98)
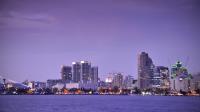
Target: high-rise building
(128,82)
(161,77)
(195,82)
(145,71)
(85,71)
(180,78)
(66,73)
(118,80)
(76,72)
(109,80)
(82,72)
(94,75)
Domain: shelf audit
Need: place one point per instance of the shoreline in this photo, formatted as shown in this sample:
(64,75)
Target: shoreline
(91,95)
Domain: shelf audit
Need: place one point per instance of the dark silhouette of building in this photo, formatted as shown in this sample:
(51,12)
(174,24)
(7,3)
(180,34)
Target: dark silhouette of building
(66,73)
(76,72)
(145,71)
(85,71)
(94,75)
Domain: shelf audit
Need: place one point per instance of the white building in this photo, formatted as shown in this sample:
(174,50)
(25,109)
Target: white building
(72,85)
(181,84)
(180,78)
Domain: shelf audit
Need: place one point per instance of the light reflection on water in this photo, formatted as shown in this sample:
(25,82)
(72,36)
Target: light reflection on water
(97,103)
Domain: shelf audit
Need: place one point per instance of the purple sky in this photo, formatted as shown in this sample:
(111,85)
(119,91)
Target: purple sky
(36,38)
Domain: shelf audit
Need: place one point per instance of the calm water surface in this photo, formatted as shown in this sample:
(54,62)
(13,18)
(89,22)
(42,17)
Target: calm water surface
(86,103)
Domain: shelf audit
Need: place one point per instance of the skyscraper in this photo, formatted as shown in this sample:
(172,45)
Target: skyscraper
(128,82)
(145,71)
(66,73)
(161,77)
(180,78)
(85,71)
(94,75)
(118,80)
(76,72)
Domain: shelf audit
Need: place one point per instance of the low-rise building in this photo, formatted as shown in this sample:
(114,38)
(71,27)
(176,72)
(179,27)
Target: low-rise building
(52,82)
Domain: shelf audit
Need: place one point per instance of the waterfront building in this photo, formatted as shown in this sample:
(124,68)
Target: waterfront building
(108,83)
(181,84)
(80,85)
(102,84)
(72,85)
(59,86)
(38,84)
(128,82)
(76,72)
(195,82)
(94,75)
(89,86)
(66,73)
(135,83)
(145,71)
(52,82)
(180,78)
(161,78)
(85,72)
(2,88)
(8,83)
(30,84)
(109,79)
(117,80)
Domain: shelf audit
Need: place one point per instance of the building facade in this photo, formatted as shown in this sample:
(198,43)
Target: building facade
(40,84)
(180,78)
(128,82)
(161,78)
(94,75)
(76,72)
(66,73)
(53,82)
(118,80)
(145,71)
(85,71)
(195,82)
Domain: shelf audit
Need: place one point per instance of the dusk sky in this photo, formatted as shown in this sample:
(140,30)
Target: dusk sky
(38,36)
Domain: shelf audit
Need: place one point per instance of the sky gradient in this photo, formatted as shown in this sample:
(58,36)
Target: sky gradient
(37,37)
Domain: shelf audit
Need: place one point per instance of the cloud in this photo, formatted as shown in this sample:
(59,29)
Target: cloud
(13,19)
(30,17)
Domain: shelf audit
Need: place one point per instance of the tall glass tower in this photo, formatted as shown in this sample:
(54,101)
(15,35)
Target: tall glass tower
(85,71)
(94,75)
(66,73)
(76,72)
(145,71)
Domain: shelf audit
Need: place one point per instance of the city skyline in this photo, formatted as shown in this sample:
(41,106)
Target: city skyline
(36,39)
